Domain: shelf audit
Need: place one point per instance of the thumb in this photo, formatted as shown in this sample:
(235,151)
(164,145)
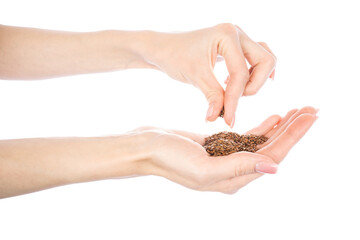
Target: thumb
(214,94)
(242,163)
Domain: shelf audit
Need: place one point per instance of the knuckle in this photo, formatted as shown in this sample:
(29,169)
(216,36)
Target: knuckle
(241,76)
(307,109)
(275,58)
(144,128)
(244,75)
(228,28)
(273,155)
(270,60)
(214,95)
(264,44)
(201,178)
(271,55)
(232,94)
(251,91)
(242,170)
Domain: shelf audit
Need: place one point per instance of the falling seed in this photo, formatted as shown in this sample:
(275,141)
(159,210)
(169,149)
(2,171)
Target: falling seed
(222,112)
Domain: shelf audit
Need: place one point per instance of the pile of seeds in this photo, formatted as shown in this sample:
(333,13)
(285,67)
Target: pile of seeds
(225,143)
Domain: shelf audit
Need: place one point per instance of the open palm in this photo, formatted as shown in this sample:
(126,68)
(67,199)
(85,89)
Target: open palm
(180,157)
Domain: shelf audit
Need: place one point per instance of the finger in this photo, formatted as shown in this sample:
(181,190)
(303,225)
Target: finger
(251,70)
(219,59)
(265,126)
(214,94)
(264,45)
(272,75)
(263,66)
(227,80)
(235,62)
(232,185)
(278,148)
(300,125)
(262,61)
(239,164)
(281,129)
(282,122)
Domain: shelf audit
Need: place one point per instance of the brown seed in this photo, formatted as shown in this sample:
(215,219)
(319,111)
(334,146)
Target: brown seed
(225,143)
(222,112)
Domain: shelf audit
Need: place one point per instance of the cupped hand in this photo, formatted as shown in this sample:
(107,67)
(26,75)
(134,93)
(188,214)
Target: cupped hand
(190,57)
(180,157)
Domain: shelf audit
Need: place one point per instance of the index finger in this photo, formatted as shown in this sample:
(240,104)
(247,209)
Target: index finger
(279,148)
(260,58)
(235,61)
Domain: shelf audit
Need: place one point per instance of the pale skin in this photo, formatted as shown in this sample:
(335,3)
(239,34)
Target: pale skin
(27,53)
(28,165)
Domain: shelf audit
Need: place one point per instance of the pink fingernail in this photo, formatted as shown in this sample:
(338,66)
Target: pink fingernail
(232,122)
(265,167)
(209,112)
(227,80)
(272,76)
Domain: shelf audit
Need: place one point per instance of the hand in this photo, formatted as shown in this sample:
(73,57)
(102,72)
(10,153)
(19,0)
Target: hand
(180,157)
(191,56)
(188,57)
(34,164)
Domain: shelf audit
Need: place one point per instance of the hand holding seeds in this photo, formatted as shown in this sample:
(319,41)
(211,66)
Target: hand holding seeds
(181,157)
(223,162)
(191,56)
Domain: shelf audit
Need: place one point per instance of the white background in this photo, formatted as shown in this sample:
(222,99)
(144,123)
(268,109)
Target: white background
(313,196)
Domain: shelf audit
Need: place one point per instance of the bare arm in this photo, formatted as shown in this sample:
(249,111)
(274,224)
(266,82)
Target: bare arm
(28,53)
(28,165)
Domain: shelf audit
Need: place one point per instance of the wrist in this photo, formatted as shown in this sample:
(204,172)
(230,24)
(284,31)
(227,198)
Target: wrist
(149,45)
(125,156)
(133,48)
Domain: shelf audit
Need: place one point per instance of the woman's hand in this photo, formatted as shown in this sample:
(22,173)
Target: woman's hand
(29,165)
(191,56)
(180,157)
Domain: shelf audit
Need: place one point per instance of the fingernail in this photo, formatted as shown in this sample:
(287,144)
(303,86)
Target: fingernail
(265,167)
(227,80)
(273,75)
(232,122)
(209,112)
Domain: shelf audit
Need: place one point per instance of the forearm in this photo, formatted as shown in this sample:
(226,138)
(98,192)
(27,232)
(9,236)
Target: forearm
(27,53)
(28,165)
